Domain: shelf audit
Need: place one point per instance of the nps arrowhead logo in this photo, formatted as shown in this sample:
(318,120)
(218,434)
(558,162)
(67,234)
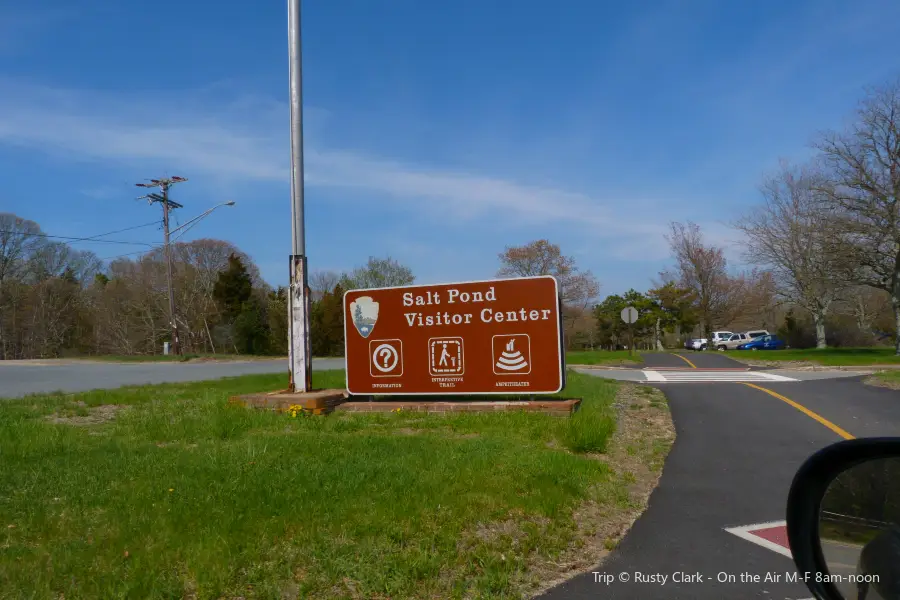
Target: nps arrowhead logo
(364,312)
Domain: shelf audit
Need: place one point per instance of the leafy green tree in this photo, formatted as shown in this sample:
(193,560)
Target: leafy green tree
(676,308)
(613,331)
(643,328)
(610,328)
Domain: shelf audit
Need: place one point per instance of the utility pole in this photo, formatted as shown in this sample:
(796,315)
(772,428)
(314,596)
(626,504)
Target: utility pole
(167,205)
(298,309)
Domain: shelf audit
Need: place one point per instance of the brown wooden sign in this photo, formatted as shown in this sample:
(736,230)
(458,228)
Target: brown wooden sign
(478,337)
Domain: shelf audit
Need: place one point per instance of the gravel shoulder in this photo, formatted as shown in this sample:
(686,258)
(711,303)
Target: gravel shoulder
(644,436)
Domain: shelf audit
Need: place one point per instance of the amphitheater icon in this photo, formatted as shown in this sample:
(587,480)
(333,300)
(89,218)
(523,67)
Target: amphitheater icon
(512,361)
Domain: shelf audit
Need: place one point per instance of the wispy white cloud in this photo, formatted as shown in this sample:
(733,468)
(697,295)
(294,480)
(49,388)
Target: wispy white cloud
(103,192)
(247,139)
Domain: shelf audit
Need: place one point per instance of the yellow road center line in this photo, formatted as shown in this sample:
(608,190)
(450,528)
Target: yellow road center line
(805,411)
(685,359)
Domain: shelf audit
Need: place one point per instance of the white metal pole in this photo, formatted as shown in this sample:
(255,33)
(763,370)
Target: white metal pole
(298,309)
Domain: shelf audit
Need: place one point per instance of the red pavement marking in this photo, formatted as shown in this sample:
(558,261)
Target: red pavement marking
(772,536)
(776,535)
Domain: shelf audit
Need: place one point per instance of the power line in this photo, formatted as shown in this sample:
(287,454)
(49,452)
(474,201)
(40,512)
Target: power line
(78,239)
(131,253)
(171,241)
(126,229)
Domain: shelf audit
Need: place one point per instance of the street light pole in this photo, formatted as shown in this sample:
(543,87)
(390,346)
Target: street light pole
(167,204)
(298,309)
(194,221)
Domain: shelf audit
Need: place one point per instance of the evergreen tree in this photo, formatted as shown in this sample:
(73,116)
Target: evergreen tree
(277,318)
(233,288)
(327,324)
(251,332)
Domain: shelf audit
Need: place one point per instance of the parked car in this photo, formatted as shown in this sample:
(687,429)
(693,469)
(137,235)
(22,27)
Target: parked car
(733,342)
(720,336)
(766,342)
(697,344)
(757,333)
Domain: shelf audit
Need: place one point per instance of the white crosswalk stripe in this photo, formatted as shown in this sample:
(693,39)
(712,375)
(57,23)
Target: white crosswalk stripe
(691,376)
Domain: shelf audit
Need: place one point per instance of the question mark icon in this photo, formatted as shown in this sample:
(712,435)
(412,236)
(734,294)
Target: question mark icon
(385,355)
(388,358)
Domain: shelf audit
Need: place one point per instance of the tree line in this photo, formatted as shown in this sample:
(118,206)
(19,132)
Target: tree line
(826,236)
(824,241)
(57,301)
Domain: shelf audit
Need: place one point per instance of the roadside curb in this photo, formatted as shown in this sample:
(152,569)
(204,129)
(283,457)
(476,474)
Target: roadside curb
(863,368)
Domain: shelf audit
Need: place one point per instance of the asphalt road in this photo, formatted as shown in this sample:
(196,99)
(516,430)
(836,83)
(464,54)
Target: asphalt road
(842,560)
(686,360)
(19,378)
(735,454)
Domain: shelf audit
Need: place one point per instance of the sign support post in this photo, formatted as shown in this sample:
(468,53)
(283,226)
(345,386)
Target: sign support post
(630,315)
(298,308)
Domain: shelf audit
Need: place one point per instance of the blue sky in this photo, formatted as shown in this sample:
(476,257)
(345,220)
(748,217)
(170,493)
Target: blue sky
(436,132)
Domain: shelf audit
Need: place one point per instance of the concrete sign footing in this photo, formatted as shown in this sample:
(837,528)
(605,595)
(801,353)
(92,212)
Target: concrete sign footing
(323,402)
(561,408)
(317,402)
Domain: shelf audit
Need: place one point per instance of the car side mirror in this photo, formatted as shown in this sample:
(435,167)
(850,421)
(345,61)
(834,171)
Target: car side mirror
(843,520)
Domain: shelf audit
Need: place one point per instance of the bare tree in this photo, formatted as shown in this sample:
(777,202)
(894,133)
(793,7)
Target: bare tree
(55,259)
(323,281)
(577,288)
(867,305)
(703,269)
(864,162)
(788,233)
(759,304)
(583,330)
(378,273)
(19,240)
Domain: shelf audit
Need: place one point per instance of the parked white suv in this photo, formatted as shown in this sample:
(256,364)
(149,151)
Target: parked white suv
(719,337)
(697,344)
(734,341)
(757,333)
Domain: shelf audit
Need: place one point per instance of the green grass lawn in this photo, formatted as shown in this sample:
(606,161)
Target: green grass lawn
(827,356)
(892,378)
(602,357)
(169,492)
(846,533)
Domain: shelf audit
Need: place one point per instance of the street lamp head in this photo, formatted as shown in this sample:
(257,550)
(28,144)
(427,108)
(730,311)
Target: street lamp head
(229,203)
